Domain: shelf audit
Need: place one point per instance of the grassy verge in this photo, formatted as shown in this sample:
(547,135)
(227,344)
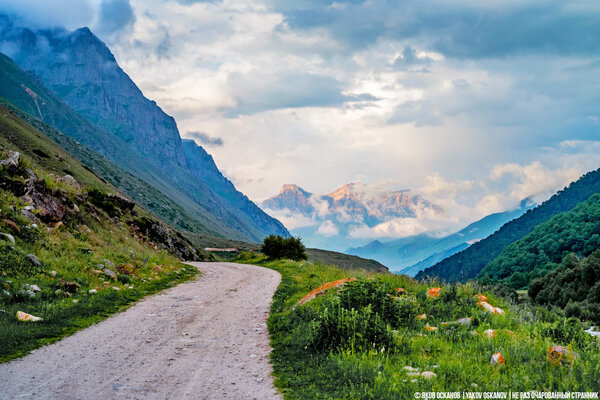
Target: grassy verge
(75,271)
(64,317)
(358,342)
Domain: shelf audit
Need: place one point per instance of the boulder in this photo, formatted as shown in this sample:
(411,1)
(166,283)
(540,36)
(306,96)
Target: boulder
(35,288)
(410,369)
(12,225)
(69,180)
(121,202)
(485,306)
(22,316)
(558,355)
(50,209)
(428,375)
(322,289)
(111,274)
(489,333)
(34,260)
(8,237)
(498,360)
(11,164)
(461,321)
(126,269)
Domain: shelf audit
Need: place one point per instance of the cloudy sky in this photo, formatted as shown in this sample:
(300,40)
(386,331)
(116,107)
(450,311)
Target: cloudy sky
(475,103)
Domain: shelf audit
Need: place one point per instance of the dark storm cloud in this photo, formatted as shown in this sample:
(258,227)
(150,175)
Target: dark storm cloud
(461,29)
(115,15)
(205,139)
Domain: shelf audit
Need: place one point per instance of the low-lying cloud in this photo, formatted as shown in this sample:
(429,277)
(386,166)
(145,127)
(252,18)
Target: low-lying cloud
(205,139)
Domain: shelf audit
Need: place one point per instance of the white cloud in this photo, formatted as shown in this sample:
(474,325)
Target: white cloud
(291,220)
(318,102)
(328,229)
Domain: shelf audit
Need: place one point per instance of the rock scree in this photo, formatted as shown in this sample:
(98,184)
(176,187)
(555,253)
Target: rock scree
(205,339)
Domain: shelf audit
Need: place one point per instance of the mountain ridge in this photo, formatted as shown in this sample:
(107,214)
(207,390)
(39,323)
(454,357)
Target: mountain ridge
(469,262)
(82,72)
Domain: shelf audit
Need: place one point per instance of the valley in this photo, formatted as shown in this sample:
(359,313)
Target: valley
(442,234)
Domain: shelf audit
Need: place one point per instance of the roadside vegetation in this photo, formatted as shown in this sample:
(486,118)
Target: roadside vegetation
(384,336)
(73,255)
(277,247)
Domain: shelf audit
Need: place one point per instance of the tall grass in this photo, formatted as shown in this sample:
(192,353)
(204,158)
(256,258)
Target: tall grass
(355,342)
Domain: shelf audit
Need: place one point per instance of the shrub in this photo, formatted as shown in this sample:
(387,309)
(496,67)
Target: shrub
(276,247)
(103,201)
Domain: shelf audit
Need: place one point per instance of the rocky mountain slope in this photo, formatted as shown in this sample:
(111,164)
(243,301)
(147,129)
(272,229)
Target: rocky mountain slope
(129,129)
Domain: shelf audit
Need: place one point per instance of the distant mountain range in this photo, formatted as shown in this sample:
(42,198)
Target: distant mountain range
(323,220)
(74,84)
(413,254)
(329,221)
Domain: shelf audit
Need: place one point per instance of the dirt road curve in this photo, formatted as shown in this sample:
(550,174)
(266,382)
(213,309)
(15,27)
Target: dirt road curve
(205,339)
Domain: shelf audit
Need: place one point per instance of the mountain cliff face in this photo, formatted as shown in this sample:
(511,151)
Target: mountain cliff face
(353,200)
(129,129)
(328,220)
(82,71)
(291,197)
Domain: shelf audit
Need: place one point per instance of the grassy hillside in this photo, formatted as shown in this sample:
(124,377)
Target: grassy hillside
(146,195)
(573,286)
(365,341)
(344,261)
(468,263)
(576,231)
(72,251)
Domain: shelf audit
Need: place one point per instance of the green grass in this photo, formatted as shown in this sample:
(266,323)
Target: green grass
(69,254)
(355,342)
(344,261)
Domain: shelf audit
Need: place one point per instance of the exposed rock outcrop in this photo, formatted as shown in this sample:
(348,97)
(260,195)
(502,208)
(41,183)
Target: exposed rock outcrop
(164,237)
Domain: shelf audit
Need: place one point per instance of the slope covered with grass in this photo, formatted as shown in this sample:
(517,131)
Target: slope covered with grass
(576,231)
(72,250)
(468,263)
(367,340)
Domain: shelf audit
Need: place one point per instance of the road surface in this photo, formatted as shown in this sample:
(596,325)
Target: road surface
(206,339)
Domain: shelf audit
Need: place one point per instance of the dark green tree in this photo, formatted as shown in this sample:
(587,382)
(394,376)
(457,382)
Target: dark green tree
(276,247)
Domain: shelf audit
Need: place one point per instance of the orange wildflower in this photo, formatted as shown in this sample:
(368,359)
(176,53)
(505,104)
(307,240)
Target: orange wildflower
(485,306)
(498,359)
(431,328)
(400,290)
(481,297)
(434,293)
(558,354)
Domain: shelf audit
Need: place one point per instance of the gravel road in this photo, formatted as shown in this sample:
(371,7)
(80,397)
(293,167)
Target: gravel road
(206,339)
